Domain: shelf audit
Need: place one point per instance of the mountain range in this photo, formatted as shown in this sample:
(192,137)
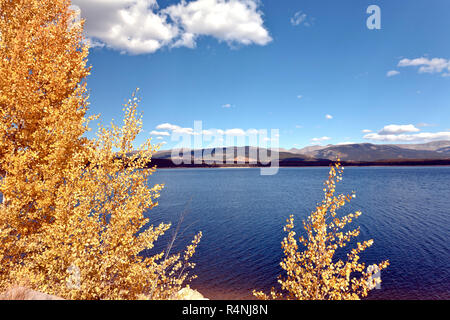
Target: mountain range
(376,152)
(437,152)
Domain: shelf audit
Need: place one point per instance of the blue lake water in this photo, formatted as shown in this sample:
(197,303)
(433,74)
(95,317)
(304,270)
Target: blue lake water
(406,210)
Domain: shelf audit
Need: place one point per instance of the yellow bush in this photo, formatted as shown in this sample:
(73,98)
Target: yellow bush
(72,217)
(315,273)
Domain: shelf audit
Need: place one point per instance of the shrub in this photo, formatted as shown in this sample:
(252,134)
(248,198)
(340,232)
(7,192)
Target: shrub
(315,273)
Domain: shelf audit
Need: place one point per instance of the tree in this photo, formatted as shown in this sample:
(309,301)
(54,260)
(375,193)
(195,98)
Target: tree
(315,273)
(72,221)
(43,102)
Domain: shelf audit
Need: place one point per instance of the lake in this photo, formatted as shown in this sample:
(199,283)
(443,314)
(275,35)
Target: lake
(406,210)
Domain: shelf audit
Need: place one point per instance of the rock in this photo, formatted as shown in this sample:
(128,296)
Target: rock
(22,293)
(190,294)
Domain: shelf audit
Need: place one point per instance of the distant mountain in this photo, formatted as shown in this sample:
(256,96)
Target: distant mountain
(430,146)
(308,150)
(375,152)
(445,150)
(354,154)
(242,154)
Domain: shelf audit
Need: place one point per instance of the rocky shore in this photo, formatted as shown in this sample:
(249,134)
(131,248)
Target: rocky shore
(23,293)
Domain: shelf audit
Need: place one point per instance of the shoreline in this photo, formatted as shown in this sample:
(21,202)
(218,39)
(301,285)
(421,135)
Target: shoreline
(168,164)
(305,166)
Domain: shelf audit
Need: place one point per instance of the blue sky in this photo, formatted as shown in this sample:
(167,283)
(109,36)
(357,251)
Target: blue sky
(275,65)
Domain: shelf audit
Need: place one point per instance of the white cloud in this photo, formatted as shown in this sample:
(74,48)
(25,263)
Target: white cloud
(366,131)
(319,140)
(405,133)
(417,137)
(140,26)
(208,132)
(159,138)
(396,129)
(328,116)
(299,96)
(132,26)
(434,65)
(344,143)
(167,126)
(232,21)
(301,18)
(159,133)
(235,132)
(254,131)
(190,131)
(298,126)
(175,129)
(186,40)
(226,106)
(392,73)
(298,18)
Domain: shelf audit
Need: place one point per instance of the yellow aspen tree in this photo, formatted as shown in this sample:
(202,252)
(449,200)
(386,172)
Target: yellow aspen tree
(315,273)
(73,220)
(94,247)
(43,103)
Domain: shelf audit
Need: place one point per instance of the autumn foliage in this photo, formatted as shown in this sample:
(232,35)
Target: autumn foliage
(315,273)
(72,219)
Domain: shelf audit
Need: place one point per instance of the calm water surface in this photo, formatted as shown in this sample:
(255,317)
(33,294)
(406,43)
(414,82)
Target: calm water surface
(406,210)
